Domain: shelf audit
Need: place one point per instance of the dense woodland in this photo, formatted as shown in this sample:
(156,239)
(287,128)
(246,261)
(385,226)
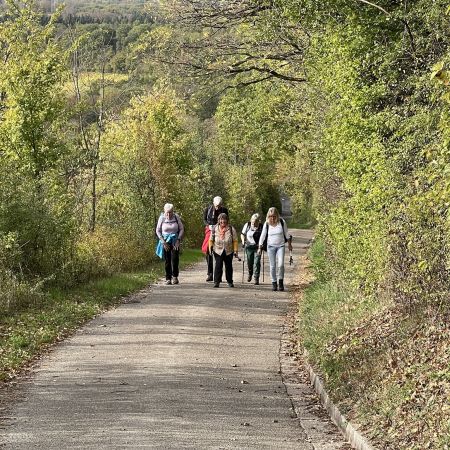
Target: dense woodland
(109,110)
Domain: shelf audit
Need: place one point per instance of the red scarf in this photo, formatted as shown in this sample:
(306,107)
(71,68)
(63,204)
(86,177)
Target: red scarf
(222,231)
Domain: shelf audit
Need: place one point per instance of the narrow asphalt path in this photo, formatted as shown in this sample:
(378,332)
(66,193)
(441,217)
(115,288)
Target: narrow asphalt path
(174,367)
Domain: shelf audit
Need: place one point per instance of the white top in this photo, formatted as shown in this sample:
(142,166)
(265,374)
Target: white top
(275,234)
(248,232)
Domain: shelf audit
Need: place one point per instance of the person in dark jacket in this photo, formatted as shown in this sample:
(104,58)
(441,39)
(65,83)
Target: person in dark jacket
(250,235)
(210,217)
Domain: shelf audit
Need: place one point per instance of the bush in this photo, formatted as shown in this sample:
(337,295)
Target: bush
(105,252)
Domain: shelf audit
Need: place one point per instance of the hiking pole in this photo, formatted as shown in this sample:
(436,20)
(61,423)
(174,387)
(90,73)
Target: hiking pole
(291,261)
(243,264)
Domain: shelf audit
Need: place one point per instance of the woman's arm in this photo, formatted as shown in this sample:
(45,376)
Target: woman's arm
(159,228)
(243,234)
(263,236)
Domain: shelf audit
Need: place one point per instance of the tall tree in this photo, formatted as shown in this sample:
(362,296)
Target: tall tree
(33,201)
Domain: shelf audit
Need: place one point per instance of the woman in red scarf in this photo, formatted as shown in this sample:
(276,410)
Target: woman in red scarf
(223,244)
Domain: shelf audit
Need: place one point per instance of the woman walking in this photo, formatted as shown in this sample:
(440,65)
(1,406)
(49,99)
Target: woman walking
(250,235)
(170,231)
(210,218)
(223,244)
(274,237)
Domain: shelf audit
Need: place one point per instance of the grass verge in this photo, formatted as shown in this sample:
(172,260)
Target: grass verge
(26,333)
(387,369)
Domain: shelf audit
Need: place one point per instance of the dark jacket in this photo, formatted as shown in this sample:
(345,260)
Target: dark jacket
(211,214)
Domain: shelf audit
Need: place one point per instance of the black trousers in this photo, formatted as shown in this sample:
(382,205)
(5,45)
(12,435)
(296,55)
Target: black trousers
(218,270)
(209,263)
(172,260)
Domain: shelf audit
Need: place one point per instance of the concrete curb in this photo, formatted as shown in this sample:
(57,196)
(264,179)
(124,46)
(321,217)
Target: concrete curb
(352,435)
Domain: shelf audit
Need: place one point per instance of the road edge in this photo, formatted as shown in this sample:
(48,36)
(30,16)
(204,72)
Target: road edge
(356,440)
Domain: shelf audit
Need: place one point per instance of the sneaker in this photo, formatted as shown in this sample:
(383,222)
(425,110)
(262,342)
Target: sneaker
(230,284)
(249,278)
(168,282)
(216,285)
(209,278)
(175,280)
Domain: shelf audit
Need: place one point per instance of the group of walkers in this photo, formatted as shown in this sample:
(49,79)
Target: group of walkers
(220,244)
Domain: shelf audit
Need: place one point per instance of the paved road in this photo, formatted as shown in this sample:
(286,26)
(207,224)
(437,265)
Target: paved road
(175,367)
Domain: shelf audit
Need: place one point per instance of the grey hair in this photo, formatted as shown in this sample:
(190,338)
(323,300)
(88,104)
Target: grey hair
(168,207)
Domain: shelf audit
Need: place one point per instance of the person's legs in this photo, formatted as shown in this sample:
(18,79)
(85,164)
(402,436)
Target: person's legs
(175,262)
(210,266)
(175,265)
(168,263)
(280,263)
(272,254)
(257,267)
(228,259)
(250,251)
(218,269)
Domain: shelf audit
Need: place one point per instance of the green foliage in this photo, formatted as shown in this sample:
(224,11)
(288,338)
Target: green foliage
(376,178)
(104,252)
(153,151)
(254,131)
(33,201)
(29,80)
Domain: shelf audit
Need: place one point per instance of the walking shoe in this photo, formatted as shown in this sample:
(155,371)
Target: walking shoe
(274,286)
(256,280)
(249,278)
(230,284)
(175,280)
(216,284)
(281,285)
(168,282)
(209,278)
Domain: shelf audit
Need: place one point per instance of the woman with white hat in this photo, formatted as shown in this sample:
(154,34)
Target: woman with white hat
(170,231)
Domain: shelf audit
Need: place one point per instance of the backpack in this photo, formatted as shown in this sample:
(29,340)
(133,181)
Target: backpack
(264,245)
(176,218)
(178,224)
(256,234)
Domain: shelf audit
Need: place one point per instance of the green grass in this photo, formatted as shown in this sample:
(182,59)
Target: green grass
(326,312)
(384,367)
(25,333)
